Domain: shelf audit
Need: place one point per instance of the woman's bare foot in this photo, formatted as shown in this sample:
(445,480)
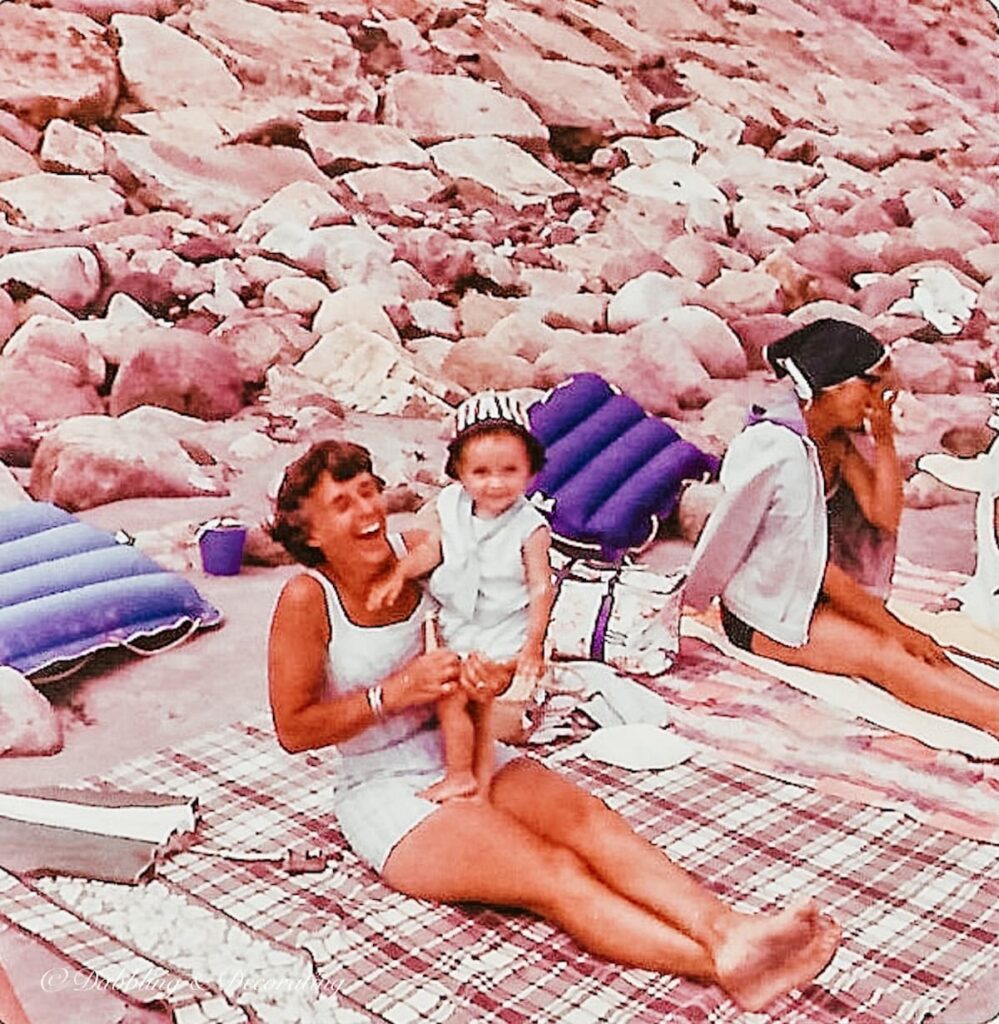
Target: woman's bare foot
(764,956)
(451,787)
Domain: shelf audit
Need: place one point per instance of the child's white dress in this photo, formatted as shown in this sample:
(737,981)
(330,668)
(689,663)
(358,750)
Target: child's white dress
(481,584)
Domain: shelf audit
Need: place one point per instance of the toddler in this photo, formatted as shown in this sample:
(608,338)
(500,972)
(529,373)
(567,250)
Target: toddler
(488,549)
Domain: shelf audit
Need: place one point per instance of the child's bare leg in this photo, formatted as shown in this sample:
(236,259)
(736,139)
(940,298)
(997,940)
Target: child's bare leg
(482,763)
(458,735)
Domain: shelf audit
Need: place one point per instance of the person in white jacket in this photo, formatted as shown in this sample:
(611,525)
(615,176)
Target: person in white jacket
(800,579)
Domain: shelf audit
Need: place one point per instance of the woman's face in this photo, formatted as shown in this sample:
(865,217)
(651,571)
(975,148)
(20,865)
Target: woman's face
(346,517)
(849,404)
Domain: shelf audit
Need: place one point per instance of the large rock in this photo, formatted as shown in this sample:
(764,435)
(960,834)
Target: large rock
(923,368)
(14,162)
(28,724)
(68,275)
(549,35)
(47,373)
(42,337)
(118,333)
(432,108)
(149,46)
(295,293)
(647,297)
(180,370)
(743,293)
(709,337)
(262,338)
(60,202)
(504,168)
(367,372)
(92,460)
(305,203)
(392,186)
(475,364)
(68,149)
(336,144)
(220,185)
(257,42)
(55,64)
(357,304)
(569,95)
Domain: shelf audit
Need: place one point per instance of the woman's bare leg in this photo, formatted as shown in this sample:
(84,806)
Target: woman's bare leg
(757,957)
(469,851)
(840,645)
(458,736)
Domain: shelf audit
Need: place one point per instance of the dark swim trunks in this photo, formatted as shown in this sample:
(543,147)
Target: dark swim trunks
(738,632)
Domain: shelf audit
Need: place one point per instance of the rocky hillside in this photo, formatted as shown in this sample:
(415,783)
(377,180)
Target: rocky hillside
(227,225)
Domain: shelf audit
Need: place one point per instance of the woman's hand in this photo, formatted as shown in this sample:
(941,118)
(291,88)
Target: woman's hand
(483,680)
(879,416)
(425,680)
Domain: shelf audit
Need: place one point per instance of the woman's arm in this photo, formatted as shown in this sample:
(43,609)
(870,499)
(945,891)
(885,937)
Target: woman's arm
(538,571)
(853,601)
(877,485)
(296,670)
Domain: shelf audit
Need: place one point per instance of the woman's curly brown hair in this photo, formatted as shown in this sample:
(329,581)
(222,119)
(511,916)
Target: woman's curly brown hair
(343,460)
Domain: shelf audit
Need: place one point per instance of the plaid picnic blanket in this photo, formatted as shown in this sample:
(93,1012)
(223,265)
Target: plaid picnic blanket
(227,933)
(752,719)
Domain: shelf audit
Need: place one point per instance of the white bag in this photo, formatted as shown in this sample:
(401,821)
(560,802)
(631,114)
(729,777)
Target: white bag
(625,615)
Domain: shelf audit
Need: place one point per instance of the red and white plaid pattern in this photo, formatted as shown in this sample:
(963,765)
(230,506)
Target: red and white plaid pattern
(920,908)
(919,904)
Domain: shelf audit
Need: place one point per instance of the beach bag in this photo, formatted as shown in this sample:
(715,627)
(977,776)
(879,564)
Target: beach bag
(623,614)
(612,471)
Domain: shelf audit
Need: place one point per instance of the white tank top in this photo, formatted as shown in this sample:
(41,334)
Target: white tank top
(360,656)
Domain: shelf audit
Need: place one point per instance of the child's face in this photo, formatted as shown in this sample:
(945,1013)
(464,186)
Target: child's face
(494,469)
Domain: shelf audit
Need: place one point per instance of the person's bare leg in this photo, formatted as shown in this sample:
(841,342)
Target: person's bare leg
(844,647)
(458,737)
(469,851)
(483,758)
(758,957)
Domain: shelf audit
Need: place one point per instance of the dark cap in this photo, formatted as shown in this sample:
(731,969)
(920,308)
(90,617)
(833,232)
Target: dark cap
(823,354)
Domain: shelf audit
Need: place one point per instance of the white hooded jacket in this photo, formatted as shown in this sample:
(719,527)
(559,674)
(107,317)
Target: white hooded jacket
(765,545)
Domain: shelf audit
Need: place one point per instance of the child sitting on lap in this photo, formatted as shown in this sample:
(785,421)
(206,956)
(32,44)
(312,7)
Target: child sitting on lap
(488,549)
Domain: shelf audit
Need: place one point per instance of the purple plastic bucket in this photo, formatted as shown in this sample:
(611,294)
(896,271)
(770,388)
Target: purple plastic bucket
(222,549)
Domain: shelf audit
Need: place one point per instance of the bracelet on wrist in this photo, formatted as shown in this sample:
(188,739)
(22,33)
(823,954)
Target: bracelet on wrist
(374,695)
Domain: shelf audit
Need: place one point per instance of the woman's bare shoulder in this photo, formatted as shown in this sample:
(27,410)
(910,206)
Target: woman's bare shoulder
(302,603)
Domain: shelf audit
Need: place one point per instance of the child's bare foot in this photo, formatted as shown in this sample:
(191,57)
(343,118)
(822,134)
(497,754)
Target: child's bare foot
(764,956)
(451,787)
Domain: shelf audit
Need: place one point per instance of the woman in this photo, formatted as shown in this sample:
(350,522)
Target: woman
(801,547)
(341,673)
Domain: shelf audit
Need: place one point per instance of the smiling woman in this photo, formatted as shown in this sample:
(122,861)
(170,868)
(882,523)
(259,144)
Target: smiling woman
(349,671)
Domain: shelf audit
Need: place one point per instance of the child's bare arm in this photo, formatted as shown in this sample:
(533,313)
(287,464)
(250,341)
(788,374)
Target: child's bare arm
(538,570)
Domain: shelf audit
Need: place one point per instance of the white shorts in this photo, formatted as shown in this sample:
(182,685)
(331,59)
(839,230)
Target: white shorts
(374,794)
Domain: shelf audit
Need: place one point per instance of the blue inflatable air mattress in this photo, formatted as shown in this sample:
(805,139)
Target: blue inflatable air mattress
(612,470)
(68,589)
